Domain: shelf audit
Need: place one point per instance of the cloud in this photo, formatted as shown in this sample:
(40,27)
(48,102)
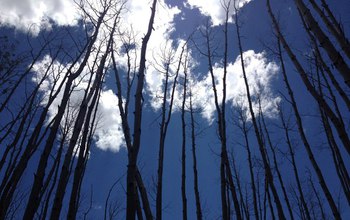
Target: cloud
(108,134)
(260,73)
(155,77)
(135,20)
(214,8)
(36,15)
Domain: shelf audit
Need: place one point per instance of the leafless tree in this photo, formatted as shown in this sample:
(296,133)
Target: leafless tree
(286,127)
(183,148)
(320,100)
(267,168)
(244,127)
(167,60)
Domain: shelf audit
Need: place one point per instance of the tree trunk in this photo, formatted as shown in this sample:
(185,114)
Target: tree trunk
(131,189)
(332,52)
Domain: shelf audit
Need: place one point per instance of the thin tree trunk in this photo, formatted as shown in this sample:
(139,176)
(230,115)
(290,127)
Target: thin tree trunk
(336,122)
(80,120)
(133,150)
(337,25)
(31,147)
(320,204)
(194,157)
(342,40)
(83,148)
(298,118)
(54,181)
(336,155)
(80,166)
(23,76)
(272,212)
(138,208)
(244,210)
(29,104)
(40,173)
(332,52)
(279,175)
(166,116)
(267,168)
(144,197)
(183,149)
(245,131)
(225,169)
(295,169)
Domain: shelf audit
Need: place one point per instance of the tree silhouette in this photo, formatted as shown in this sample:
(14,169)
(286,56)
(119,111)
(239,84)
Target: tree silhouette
(285,164)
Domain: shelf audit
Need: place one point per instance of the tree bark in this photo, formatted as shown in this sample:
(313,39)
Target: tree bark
(332,52)
(131,189)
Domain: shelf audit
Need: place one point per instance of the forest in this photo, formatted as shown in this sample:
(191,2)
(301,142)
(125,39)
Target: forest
(167,109)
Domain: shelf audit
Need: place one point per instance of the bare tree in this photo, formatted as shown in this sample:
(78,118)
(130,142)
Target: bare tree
(226,177)
(244,127)
(133,149)
(332,52)
(304,206)
(183,148)
(267,168)
(165,120)
(321,102)
(194,158)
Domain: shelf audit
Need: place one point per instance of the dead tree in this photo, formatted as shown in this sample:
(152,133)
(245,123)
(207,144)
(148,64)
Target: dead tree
(183,148)
(9,185)
(40,173)
(275,162)
(339,165)
(339,126)
(244,128)
(165,120)
(333,54)
(133,149)
(194,158)
(304,206)
(330,113)
(226,177)
(267,168)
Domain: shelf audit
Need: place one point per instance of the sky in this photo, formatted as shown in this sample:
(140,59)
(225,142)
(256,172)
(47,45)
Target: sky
(32,20)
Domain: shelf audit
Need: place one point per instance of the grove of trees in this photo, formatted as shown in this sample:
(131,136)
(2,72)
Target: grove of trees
(287,163)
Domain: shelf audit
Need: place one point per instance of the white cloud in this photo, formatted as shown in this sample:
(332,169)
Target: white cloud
(136,19)
(108,134)
(260,73)
(214,8)
(35,14)
(155,77)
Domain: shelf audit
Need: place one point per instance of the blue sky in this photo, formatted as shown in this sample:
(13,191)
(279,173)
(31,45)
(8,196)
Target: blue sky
(175,21)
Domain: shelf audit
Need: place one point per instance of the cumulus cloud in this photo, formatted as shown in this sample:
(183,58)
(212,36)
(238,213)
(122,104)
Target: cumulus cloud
(214,9)
(260,73)
(108,134)
(135,22)
(36,15)
(165,54)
